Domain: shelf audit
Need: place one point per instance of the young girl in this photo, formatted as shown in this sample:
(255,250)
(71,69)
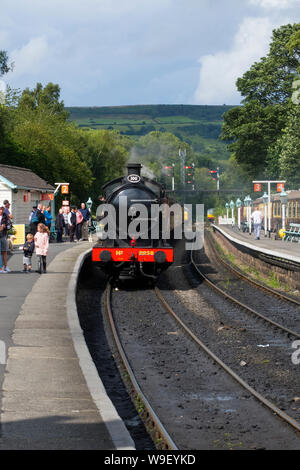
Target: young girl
(41,240)
(28,249)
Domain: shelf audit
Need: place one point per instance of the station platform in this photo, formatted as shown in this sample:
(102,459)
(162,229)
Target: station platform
(51,395)
(287,250)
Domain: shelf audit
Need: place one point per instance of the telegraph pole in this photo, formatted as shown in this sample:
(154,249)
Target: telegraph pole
(182,155)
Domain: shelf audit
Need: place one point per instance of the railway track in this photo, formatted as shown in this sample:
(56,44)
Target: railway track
(271,406)
(151,419)
(152,422)
(242,305)
(242,276)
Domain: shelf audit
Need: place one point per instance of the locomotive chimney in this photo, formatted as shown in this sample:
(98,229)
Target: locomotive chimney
(134,169)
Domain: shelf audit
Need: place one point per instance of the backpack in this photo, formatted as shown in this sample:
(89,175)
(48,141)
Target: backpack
(34,219)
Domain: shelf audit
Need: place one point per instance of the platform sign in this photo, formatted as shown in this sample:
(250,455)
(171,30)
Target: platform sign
(47,197)
(64,189)
(257,187)
(19,236)
(280,187)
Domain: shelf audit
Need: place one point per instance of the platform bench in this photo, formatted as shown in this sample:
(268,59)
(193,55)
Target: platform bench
(293,233)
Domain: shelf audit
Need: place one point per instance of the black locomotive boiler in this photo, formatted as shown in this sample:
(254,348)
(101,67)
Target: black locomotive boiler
(128,256)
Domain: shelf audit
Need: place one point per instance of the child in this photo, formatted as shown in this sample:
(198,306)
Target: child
(28,249)
(41,239)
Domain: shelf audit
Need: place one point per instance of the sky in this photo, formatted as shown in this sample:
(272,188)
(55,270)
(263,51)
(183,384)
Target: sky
(126,52)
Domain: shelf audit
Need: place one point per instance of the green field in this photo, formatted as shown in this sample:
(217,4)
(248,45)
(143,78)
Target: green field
(199,126)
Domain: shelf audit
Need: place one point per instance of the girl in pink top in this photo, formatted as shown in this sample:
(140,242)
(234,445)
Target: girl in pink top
(41,241)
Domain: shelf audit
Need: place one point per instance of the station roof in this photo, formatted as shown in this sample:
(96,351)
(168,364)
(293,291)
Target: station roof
(23,178)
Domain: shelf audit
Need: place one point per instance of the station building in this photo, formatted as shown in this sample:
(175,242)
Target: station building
(23,189)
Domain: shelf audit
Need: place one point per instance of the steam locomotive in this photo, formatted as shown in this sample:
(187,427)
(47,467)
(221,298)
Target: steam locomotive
(120,253)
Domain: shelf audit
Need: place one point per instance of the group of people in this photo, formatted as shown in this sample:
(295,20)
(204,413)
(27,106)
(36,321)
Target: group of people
(74,222)
(40,243)
(40,215)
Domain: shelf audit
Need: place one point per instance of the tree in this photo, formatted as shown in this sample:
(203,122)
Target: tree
(4,66)
(254,128)
(289,149)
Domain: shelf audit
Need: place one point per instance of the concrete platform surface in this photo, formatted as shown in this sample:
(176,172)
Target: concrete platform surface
(279,248)
(52,397)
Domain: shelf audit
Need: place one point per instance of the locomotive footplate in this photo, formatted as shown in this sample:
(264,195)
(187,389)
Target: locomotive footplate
(140,255)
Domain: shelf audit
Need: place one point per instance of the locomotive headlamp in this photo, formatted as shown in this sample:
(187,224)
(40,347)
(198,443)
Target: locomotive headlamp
(105,256)
(160,257)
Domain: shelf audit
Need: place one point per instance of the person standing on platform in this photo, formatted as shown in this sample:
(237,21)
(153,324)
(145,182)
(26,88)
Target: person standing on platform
(28,249)
(79,221)
(59,225)
(40,214)
(4,223)
(72,223)
(86,217)
(256,216)
(48,217)
(66,211)
(33,220)
(41,241)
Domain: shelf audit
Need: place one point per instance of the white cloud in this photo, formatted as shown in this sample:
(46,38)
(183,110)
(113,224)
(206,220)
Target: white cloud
(281,4)
(29,58)
(220,71)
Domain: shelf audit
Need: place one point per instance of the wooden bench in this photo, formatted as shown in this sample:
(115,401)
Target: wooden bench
(293,233)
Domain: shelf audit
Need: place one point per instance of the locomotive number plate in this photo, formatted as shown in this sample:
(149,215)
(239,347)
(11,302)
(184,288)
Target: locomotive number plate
(133,178)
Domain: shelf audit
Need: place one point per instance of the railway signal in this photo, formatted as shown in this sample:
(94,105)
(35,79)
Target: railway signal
(215,174)
(172,174)
(191,175)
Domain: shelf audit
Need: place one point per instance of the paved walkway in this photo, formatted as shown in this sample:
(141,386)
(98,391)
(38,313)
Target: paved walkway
(52,397)
(279,248)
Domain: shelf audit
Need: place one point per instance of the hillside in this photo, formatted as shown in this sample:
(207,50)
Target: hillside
(200,126)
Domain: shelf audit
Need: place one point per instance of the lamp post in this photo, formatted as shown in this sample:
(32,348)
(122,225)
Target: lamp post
(247,202)
(89,204)
(265,199)
(232,206)
(250,202)
(227,208)
(238,204)
(283,199)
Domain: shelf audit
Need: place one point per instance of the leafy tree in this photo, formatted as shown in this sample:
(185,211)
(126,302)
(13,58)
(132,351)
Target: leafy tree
(5,67)
(253,129)
(289,149)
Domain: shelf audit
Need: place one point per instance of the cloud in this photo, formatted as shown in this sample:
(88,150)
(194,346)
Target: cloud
(29,58)
(280,4)
(220,71)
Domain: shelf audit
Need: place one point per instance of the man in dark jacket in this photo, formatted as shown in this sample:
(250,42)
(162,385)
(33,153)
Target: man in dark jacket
(59,225)
(86,217)
(4,222)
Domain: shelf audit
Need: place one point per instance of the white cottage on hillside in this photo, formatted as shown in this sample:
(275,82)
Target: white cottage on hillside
(23,189)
